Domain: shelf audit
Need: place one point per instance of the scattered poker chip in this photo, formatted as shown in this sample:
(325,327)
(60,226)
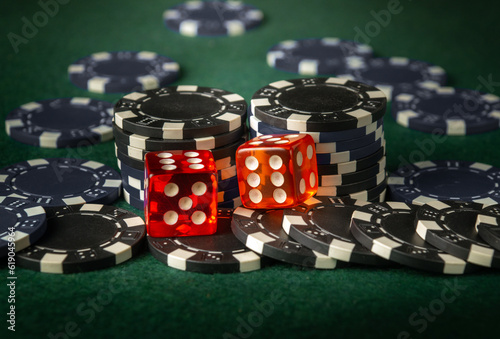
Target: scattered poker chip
(322,224)
(64,122)
(221,252)
(388,230)
(450,226)
(350,178)
(422,182)
(55,182)
(488,225)
(133,201)
(212,18)
(448,110)
(84,238)
(352,166)
(318,137)
(261,231)
(155,144)
(341,190)
(388,73)
(318,104)
(317,55)
(181,112)
(352,155)
(123,71)
(23,223)
(370,194)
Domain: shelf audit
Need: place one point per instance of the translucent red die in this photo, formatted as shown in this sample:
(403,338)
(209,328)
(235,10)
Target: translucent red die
(180,193)
(277,171)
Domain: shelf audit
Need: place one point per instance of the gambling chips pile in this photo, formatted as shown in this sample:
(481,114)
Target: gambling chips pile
(308,188)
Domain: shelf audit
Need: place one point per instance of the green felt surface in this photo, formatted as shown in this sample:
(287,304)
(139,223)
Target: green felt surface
(144,297)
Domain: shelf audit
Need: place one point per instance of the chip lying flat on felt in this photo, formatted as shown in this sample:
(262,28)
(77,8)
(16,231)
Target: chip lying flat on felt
(123,71)
(84,238)
(212,18)
(64,122)
(55,182)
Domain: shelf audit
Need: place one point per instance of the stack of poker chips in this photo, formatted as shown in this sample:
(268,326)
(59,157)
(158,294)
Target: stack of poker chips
(345,119)
(179,118)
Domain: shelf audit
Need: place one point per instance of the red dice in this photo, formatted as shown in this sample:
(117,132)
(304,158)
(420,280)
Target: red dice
(277,171)
(180,193)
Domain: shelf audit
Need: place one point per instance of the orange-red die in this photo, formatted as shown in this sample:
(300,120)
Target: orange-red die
(277,171)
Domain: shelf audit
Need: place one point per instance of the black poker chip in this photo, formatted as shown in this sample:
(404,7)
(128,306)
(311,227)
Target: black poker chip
(180,112)
(261,231)
(147,143)
(84,238)
(22,223)
(221,252)
(318,104)
(488,225)
(55,182)
(388,230)
(450,226)
(323,225)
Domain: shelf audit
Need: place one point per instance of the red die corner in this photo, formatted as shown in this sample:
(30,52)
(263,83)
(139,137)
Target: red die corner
(277,171)
(180,193)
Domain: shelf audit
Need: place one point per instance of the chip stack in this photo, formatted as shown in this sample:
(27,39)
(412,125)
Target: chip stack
(345,119)
(179,118)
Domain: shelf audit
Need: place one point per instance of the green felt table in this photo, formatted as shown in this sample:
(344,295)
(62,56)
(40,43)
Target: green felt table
(143,297)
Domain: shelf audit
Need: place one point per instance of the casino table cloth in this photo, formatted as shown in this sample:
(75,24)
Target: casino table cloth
(143,297)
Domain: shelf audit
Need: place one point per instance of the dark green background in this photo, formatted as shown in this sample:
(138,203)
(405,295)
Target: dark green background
(145,297)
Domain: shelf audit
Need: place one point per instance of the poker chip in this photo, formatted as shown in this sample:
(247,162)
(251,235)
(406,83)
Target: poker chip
(448,110)
(352,155)
(64,122)
(370,194)
(388,230)
(224,196)
(84,238)
(317,55)
(132,200)
(233,203)
(352,166)
(224,156)
(488,225)
(154,144)
(123,71)
(388,73)
(261,231)
(180,112)
(56,182)
(340,190)
(221,252)
(450,226)
(318,137)
(350,178)
(23,223)
(322,224)
(318,104)
(350,145)
(212,18)
(422,182)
